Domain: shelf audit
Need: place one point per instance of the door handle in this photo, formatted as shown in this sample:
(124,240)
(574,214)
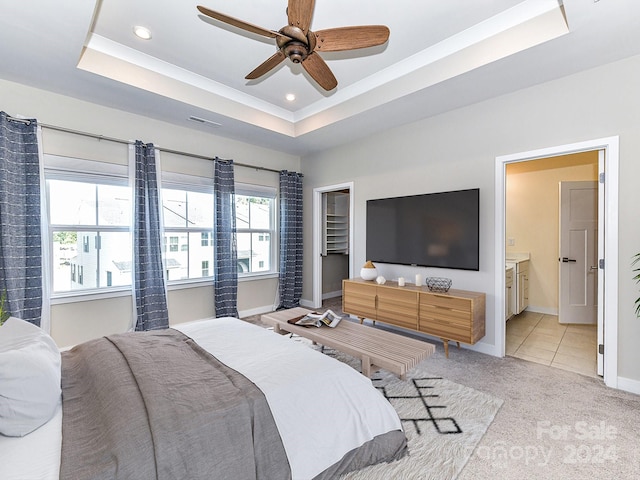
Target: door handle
(567,260)
(593,267)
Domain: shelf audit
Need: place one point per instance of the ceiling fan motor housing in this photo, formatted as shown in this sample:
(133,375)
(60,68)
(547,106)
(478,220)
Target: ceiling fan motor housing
(298,46)
(296,51)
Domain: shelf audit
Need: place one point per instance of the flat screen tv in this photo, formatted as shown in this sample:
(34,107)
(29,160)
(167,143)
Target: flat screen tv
(430,230)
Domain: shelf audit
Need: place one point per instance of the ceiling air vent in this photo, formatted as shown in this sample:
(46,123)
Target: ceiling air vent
(204,120)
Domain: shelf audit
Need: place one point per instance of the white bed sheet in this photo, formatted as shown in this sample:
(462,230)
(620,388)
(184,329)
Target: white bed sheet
(322,408)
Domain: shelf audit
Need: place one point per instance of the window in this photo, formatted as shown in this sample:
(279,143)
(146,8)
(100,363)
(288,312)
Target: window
(89,228)
(173,244)
(188,228)
(205,239)
(188,224)
(255,224)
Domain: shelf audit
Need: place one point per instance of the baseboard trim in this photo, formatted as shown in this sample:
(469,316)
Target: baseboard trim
(255,311)
(306,303)
(629,385)
(543,310)
(269,309)
(337,293)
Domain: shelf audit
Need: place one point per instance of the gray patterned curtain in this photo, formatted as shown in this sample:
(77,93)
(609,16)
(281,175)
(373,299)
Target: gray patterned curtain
(149,287)
(225,253)
(290,284)
(20,237)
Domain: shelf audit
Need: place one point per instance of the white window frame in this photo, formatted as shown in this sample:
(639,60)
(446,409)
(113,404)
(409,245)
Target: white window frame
(58,167)
(251,190)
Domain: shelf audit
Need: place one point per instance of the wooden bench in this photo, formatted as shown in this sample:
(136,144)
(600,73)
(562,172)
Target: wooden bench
(375,348)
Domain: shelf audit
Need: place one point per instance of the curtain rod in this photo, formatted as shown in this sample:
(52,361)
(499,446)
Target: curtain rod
(128,142)
(26,121)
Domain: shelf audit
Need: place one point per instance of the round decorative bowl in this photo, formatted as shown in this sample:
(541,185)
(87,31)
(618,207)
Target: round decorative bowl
(438,284)
(368,273)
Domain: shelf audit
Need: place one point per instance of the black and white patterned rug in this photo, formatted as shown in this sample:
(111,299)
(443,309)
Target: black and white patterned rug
(443,421)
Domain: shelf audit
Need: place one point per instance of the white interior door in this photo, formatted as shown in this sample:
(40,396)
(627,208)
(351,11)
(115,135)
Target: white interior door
(578,299)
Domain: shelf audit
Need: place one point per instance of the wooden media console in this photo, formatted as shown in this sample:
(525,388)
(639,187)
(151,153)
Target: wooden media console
(457,315)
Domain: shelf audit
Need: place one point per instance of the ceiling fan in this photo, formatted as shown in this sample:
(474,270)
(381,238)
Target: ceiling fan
(296,42)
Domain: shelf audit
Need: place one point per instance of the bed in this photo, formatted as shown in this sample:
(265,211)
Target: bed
(321,419)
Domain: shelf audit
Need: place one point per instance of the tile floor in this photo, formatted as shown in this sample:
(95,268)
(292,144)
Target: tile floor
(539,338)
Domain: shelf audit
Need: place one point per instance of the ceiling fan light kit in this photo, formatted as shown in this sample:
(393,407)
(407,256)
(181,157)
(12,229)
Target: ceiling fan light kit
(300,45)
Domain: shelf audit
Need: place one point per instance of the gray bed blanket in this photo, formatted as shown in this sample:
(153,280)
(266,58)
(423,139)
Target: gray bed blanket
(155,405)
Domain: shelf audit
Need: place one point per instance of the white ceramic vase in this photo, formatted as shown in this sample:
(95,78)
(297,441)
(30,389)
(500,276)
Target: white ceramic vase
(368,273)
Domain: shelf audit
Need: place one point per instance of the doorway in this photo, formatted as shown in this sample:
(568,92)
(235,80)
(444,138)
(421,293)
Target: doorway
(535,214)
(607,149)
(332,240)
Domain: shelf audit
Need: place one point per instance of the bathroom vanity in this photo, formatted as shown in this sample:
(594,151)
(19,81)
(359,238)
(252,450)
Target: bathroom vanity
(519,265)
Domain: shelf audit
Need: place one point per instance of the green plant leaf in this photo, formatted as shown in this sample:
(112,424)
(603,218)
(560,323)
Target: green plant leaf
(637,279)
(4,312)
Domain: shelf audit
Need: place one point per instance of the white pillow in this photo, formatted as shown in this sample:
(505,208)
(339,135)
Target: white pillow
(29,377)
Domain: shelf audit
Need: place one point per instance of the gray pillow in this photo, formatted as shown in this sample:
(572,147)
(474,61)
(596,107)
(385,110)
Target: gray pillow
(29,377)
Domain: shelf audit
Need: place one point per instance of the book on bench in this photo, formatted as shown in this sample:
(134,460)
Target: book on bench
(317,319)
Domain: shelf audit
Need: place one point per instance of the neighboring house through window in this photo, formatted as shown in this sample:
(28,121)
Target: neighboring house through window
(187,209)
(256,226)
(188,222)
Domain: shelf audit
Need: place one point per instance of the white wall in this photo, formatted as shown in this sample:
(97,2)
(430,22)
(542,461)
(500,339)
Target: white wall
(458,149)
(76,321)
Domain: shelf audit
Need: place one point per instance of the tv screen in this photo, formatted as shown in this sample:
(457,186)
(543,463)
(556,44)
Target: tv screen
(430,230)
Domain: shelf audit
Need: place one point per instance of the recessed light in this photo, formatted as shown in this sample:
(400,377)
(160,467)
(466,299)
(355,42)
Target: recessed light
(142,32)
(290,97)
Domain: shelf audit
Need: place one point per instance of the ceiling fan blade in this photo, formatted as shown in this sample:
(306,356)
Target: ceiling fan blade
(299,13)
(239,23)
(266,66)
(350,38)
(319,71)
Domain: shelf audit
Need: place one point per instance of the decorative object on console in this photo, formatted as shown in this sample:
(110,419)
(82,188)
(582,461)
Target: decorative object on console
(418,280)
(401,281)
(438,284)
(380,280)
(368,271)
